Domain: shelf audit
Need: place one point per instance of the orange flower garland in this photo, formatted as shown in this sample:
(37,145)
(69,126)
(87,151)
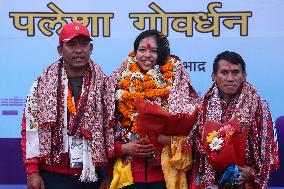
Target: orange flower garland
(137,85)
(70,105)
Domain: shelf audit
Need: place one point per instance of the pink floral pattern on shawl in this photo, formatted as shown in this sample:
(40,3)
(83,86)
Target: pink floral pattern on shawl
(182,97)
(49,95)
(251,112)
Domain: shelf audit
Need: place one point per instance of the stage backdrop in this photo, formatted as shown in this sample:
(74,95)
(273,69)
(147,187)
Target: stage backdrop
(197,30)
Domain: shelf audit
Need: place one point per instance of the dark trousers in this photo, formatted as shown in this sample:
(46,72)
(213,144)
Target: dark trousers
(149,185)
(61,181)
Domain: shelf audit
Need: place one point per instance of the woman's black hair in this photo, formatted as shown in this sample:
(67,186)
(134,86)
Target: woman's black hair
(162,42)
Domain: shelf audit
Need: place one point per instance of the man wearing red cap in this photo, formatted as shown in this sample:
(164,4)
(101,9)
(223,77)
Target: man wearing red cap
(64,141)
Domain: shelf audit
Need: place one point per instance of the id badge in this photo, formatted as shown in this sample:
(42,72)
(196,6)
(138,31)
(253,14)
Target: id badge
(76,152)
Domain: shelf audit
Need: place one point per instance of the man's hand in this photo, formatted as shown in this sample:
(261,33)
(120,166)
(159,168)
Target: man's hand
(246,174)
(135,148)
(35,181)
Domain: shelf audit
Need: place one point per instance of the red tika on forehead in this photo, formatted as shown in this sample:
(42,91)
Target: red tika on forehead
(148,44)
(230,66)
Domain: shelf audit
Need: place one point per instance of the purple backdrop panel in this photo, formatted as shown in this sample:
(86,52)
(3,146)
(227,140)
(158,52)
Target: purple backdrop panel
(11,164)
(12,170)
(9,112)
(277,177)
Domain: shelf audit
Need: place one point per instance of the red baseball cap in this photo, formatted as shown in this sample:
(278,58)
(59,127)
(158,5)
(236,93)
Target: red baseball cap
(71,30)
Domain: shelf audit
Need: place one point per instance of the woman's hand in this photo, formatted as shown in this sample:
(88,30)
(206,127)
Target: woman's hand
(164,139)
(138,149)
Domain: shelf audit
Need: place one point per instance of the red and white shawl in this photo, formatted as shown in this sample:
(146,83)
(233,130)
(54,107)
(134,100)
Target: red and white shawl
(251,112)
(182,97)
(46,118)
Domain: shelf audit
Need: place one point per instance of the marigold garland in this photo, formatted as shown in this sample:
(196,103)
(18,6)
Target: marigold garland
(134,84)
(70,104)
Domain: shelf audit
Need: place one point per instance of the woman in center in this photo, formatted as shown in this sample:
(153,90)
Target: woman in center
(150,74)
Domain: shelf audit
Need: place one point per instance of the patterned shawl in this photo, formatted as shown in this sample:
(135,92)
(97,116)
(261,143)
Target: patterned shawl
(182,97)
(46,114)
(251,112)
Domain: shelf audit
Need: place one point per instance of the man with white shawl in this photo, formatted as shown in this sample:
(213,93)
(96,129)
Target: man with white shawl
(64,140)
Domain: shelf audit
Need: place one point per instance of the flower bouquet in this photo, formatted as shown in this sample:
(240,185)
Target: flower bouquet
(153,120)
(224,144)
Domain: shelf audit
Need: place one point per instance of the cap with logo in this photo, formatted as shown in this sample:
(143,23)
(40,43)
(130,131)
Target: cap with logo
(71,30)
